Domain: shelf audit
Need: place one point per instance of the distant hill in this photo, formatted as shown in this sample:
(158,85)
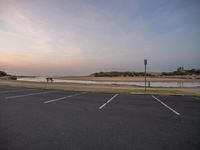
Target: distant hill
(179,71)
(119,74)
(182,71)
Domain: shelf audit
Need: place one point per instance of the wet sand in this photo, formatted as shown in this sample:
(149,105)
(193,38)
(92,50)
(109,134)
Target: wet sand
(135,79)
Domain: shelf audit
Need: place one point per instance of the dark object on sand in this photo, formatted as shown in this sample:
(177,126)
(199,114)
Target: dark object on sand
(49,80)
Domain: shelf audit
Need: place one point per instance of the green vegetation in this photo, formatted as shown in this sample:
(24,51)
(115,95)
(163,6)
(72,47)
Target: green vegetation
(119,74)
(2,73)
(181,71)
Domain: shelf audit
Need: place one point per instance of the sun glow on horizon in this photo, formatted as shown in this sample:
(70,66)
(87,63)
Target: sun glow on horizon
(79,37)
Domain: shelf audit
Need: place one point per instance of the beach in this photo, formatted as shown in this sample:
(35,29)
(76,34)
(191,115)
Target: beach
(109,88)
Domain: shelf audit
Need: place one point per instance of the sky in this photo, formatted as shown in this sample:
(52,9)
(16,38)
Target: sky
(80,37)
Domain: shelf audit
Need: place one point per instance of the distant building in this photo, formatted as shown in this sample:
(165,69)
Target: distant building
(180,69)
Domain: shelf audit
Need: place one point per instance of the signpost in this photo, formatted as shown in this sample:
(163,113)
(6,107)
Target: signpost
(145,64)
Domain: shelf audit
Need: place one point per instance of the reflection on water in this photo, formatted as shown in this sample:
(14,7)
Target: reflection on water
(152,84)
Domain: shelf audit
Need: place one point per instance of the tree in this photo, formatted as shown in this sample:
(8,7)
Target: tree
(2,74)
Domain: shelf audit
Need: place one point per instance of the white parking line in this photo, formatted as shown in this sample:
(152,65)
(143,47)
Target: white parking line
(196,98)
(58,99)
(17,96)
(108,101)
(166,105)
(10,91)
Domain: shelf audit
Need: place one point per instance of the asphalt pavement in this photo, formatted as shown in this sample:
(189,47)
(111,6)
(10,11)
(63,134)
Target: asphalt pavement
(35,119)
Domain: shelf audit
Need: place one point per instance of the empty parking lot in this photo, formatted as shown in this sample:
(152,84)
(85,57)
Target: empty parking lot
(54,119)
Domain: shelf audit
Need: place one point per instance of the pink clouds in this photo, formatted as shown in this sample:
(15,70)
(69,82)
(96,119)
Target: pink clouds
(80,37)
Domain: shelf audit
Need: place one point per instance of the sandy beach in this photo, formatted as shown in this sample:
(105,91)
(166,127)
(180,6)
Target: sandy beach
(135,79)
(129,89)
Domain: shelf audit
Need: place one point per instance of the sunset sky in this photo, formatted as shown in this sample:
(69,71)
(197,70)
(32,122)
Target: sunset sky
(80,37)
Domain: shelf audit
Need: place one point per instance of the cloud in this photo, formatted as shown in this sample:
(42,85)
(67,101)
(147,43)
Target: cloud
(17,20)
(95,35)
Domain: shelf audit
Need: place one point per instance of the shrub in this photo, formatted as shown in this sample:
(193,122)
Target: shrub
(2,74)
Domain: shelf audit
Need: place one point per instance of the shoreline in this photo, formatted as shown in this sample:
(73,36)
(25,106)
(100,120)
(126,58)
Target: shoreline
(131,79)
(128,89)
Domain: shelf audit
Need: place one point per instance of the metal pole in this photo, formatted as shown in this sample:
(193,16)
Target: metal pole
(145,77)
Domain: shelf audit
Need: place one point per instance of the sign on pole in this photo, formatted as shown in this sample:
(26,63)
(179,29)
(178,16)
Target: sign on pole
(145,62)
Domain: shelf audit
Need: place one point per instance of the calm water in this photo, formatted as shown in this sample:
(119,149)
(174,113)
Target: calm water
(153,84)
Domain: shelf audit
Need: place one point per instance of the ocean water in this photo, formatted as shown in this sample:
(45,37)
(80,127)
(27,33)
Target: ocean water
(152,84)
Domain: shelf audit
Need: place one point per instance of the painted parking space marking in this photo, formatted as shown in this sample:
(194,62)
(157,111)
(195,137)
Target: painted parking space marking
(108,101)
(62,98)
(168,107)
(10,91)
(196,98)
(25,95)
